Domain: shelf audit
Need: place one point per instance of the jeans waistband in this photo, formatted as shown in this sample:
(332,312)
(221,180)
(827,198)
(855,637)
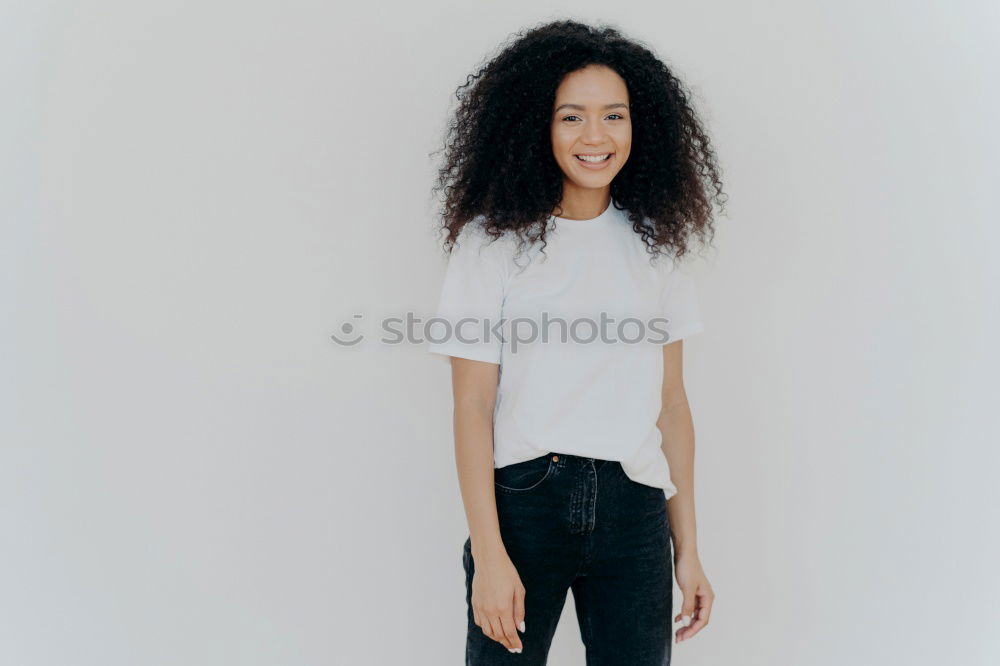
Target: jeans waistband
(575,460)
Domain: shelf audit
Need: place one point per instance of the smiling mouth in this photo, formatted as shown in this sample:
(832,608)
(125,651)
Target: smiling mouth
(595,159)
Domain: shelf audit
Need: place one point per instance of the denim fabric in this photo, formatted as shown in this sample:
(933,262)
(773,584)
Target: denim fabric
(581,524)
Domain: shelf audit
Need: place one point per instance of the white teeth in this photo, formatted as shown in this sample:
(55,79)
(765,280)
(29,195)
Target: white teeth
(594,158)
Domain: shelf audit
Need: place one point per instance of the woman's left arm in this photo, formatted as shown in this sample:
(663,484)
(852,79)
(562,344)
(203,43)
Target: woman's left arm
(677,428)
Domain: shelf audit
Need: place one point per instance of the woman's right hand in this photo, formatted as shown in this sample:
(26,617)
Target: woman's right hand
(498,599)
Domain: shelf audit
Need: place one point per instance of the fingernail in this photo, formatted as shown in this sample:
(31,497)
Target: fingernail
(515,650)
(521,626)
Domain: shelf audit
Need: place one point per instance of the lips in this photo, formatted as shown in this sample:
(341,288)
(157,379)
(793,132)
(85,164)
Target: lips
(593,164)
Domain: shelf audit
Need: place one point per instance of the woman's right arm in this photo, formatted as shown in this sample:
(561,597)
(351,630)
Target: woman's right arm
(497,592)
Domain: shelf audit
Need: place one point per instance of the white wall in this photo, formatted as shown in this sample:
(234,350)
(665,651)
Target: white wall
(197,194)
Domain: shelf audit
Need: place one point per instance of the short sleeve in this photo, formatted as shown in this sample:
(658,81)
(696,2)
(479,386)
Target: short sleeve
(470,307)
(679,302)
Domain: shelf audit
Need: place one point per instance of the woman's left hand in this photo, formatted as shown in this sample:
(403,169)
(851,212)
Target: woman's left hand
(698,596)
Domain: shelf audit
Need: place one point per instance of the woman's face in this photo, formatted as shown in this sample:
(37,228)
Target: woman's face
(591,116)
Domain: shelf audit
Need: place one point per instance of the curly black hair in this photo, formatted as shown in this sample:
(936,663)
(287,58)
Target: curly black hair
(499,162)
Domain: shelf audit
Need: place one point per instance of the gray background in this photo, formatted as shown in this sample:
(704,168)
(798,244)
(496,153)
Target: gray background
(197,194)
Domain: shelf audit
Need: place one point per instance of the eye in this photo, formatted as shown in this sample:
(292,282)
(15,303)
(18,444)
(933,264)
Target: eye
(616,116)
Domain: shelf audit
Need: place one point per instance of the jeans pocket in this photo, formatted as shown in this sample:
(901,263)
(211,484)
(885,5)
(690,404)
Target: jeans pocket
(524,476)
(650,500)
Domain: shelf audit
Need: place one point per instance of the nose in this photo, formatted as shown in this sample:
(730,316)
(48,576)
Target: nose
(594,134)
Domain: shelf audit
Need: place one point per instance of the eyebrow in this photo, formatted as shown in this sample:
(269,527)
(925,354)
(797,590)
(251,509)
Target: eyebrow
(581,108)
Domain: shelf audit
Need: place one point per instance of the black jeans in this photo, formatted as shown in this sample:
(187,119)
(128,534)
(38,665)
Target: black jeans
(570,522)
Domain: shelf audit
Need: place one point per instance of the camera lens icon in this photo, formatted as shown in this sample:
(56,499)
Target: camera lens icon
(350,334)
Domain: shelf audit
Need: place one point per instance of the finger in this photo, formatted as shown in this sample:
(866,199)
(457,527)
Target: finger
(482,618)
(693,628)
(688,621)
(688,608)
(519,609)
(512,640)
(497,631)
(705,605)
(491,626)
(488,628)
(705,600)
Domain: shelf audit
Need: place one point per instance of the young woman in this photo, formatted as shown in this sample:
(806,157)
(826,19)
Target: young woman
(576,174)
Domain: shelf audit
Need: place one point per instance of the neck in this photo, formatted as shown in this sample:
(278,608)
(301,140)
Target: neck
(583,203)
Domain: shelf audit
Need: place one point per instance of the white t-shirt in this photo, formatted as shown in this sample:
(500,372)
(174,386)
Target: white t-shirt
(565,393)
